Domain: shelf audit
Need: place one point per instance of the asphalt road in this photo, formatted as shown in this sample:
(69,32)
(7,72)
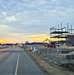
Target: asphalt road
(15,61)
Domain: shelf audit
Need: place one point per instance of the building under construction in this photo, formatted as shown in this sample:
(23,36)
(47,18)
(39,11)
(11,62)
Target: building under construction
(63,32)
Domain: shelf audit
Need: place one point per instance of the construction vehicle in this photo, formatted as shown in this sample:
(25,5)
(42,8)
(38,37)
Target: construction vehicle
(50,43)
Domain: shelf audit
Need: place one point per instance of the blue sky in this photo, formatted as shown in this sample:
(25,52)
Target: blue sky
(21,18)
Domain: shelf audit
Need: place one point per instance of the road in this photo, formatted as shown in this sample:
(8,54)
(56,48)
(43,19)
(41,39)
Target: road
(15,61)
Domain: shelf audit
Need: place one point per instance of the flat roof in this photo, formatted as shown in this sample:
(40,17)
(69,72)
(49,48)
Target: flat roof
(58,36)
(58,32)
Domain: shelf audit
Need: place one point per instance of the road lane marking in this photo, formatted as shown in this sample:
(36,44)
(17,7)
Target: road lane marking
(16,69)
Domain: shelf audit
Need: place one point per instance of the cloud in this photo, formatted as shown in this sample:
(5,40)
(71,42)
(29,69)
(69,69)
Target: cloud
(17,34)
(30,38)
(53,0)
(4,13)
(35,35)
(6,18)
(10,18)
(26,17)
(5,30)
(40,38)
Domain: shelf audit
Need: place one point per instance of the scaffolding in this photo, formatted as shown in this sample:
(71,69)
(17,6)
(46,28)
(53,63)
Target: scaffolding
(61,32)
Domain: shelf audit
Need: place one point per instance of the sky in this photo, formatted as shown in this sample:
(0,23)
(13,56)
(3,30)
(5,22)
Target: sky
(31,20)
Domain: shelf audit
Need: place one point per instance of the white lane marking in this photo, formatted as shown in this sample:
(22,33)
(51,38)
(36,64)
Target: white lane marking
(16,69)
